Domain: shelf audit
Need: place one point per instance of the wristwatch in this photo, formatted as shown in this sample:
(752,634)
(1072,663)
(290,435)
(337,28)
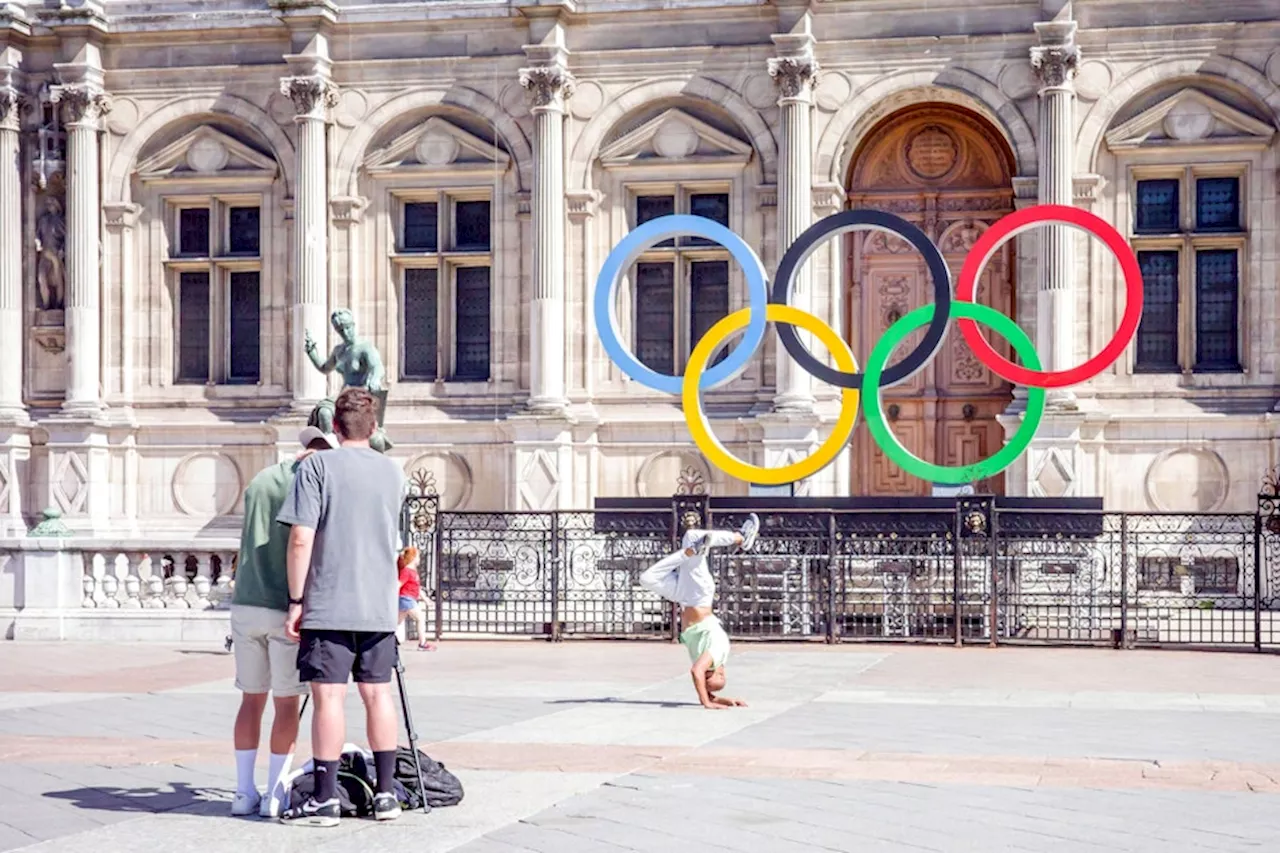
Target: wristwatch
(297,601)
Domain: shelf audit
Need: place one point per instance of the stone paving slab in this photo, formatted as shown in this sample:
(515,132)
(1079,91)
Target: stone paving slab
(866,748)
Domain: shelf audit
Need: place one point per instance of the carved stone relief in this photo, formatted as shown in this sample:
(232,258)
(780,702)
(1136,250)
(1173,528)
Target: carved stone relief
(672,472)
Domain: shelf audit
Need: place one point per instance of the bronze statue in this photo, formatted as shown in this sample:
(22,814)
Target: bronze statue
(51,238)
(359,364)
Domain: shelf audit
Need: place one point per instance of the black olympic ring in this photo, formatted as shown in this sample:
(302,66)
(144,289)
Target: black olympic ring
(860,220)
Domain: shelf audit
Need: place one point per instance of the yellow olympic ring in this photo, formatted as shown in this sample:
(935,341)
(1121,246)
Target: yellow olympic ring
(697,419)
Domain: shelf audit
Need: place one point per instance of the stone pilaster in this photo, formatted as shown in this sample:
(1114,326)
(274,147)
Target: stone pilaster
(795,71)
(1055,61)
(548,87)
(11,326)
(83,104)
(313,96)
(120,218)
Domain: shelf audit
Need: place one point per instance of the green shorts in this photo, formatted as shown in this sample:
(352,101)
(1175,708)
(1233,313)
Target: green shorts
(707,636)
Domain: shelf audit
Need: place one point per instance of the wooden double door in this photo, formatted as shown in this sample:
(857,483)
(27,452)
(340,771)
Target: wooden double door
(949,172)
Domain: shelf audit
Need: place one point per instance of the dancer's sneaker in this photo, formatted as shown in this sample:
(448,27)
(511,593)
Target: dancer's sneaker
(750,529)
(385,807)
(245,803)
(311,813)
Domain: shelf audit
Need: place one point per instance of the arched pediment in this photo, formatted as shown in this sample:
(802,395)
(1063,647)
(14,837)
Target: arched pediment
(674,135)
(433,145)
(1190,117)
(207,153)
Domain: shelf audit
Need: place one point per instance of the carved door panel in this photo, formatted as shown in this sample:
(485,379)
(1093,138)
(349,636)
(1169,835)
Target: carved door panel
(948,172)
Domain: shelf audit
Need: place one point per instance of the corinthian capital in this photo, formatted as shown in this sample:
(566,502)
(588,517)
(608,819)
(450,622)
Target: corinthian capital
(12,105)
(547,86)
(81,103)
(1056,58)
(794,76)
(312,95)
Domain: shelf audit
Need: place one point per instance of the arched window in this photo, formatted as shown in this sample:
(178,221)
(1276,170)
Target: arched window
(676,162)
(210,196)
(1187,161)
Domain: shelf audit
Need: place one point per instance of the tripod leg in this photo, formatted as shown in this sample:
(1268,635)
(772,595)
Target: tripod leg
(303,709)
(412,732)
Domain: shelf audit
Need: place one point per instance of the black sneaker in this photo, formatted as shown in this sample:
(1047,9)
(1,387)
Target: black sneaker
(385,807)
(311,813)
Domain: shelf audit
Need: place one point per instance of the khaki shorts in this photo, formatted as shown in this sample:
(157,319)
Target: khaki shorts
(266,660)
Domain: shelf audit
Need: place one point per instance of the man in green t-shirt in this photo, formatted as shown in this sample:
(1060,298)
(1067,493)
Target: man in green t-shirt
(266,659)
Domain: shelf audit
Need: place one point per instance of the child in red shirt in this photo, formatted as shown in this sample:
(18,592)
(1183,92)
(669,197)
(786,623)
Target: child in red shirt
(410,590)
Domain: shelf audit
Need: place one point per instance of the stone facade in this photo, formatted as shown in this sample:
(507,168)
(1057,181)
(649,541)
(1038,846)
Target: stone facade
(146,374)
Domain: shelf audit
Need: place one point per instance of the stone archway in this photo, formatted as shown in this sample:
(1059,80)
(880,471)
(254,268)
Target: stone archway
(946,169)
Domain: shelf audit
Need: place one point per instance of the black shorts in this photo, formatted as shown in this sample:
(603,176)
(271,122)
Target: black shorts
(332,657)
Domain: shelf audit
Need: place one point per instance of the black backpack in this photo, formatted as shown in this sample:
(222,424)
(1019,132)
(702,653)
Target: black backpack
(442,787)
(357,783)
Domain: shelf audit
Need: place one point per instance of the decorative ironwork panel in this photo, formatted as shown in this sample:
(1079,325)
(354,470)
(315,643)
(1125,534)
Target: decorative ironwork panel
(494,572)
(599,569)
(421,319)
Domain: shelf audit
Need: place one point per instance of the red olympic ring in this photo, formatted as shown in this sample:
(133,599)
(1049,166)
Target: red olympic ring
(1023,220)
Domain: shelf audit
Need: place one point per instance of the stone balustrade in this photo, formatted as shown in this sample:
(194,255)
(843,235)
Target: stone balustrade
(158,578)
(116,590)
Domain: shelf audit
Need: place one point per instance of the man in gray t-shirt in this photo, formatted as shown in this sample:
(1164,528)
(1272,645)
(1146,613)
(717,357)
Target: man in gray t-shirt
(344,511)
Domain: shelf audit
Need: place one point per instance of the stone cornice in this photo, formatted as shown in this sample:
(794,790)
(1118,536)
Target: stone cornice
(13,20)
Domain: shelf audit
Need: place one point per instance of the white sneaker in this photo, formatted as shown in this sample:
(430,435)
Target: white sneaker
(270,807)
(245,804)
(750,528)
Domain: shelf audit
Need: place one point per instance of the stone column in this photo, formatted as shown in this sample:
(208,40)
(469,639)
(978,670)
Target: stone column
(548,88)
(1055,61)
(11,331)
(795,72)
(313,97)
(83,105)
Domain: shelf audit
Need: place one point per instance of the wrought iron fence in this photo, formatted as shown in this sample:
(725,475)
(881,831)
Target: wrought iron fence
(980,570)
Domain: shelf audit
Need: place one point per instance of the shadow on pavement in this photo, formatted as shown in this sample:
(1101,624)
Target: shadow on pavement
(658,703)
(177,797)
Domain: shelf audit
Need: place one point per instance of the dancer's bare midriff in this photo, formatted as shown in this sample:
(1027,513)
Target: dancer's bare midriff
(692,616)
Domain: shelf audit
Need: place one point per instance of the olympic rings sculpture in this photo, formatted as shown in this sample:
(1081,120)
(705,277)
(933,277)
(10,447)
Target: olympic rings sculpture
(765,306)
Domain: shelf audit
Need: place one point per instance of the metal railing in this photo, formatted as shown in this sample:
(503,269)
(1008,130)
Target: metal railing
(977,570)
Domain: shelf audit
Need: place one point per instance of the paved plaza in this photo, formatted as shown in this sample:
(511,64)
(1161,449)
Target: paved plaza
(600,747)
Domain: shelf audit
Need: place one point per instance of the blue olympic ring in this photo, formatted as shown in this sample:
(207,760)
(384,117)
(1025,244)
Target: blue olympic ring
(629,250)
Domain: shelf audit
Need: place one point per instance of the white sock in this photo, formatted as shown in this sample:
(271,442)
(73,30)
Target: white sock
(245,759)
(279,765)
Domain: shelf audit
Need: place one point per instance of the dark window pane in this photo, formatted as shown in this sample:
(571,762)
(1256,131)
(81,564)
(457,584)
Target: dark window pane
(655,316)
(193,231)
(653,206)
(1157,209)
(243,337)
(245,231)
(1218,204)
(421,308)
(193,327)
(473,323)
(713,206)
(471,220)
(1217,318)
(421,227)
(709,283)
(1158,331)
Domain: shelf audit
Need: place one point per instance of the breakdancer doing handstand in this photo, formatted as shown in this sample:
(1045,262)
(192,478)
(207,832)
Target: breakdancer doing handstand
(684,578)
